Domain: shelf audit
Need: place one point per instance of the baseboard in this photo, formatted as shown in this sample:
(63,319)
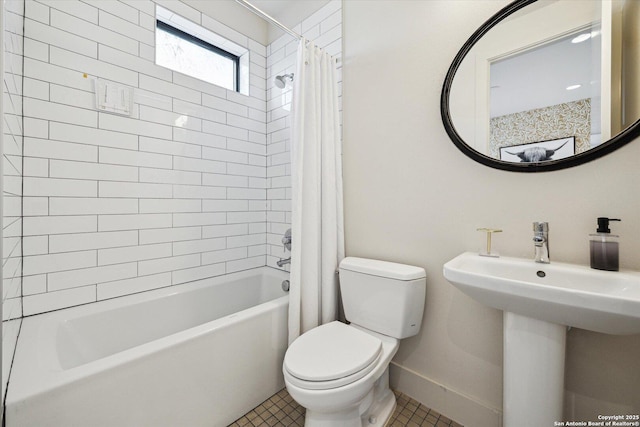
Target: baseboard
(463,409)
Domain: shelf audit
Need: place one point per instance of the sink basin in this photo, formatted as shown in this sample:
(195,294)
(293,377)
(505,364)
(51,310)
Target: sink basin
(539,301)
(564,294)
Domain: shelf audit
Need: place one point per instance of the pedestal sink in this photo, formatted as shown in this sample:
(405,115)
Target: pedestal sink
(539,301)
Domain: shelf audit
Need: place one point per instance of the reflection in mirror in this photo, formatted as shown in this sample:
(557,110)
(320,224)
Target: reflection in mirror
(547,93)
(555,79)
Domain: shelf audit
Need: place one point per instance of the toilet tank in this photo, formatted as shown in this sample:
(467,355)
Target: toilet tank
(383,296)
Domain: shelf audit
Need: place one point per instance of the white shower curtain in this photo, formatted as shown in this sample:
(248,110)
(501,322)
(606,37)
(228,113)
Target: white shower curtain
(317,214)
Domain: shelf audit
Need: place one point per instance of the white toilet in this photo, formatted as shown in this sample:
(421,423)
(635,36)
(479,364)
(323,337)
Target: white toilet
(339,372)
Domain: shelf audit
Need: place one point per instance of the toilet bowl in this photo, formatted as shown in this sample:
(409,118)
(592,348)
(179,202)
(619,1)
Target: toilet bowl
(352,385)
(340,372)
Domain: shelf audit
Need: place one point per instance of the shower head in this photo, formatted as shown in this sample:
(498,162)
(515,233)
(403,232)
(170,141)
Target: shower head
(281,81)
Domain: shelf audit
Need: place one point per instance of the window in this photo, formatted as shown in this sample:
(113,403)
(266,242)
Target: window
(188,48)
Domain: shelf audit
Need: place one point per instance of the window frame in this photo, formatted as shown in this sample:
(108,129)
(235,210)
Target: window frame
(206,45)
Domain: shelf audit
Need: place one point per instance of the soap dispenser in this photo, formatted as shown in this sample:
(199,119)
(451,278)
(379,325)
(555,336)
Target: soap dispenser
(604,247)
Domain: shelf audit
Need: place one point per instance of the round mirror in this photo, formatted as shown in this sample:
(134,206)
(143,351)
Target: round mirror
(546,84)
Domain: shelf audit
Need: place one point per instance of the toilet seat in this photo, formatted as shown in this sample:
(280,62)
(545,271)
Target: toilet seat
(330,356)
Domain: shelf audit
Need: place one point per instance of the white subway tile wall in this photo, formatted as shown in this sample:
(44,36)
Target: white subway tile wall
(12,167)
(13,245)
(195,184)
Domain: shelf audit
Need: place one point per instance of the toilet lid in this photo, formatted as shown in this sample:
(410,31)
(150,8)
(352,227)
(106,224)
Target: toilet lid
(331,351)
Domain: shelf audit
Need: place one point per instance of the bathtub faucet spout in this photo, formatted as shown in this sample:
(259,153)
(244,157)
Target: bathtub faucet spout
(283,262)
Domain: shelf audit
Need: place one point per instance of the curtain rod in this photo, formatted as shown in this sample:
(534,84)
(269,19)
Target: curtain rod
(269,18)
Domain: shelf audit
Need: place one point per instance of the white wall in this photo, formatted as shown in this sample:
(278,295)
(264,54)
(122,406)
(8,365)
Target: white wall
(411,196)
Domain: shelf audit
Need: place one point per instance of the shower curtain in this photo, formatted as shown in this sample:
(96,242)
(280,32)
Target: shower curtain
(317,213)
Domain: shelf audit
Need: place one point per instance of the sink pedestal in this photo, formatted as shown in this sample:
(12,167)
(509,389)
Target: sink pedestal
(561,294)
(533,371)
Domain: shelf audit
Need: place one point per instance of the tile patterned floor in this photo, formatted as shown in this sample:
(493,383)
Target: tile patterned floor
(282,411)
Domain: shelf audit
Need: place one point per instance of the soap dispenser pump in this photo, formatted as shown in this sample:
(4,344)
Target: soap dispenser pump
(604,246)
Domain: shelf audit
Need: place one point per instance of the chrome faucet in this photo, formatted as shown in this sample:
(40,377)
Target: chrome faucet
(286,243)
(541,242)
(283,262)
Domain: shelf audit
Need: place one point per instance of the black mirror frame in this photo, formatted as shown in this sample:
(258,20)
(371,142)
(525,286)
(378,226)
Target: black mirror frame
(624,137)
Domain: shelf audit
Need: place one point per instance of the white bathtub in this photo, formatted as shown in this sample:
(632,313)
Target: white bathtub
(200,354)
